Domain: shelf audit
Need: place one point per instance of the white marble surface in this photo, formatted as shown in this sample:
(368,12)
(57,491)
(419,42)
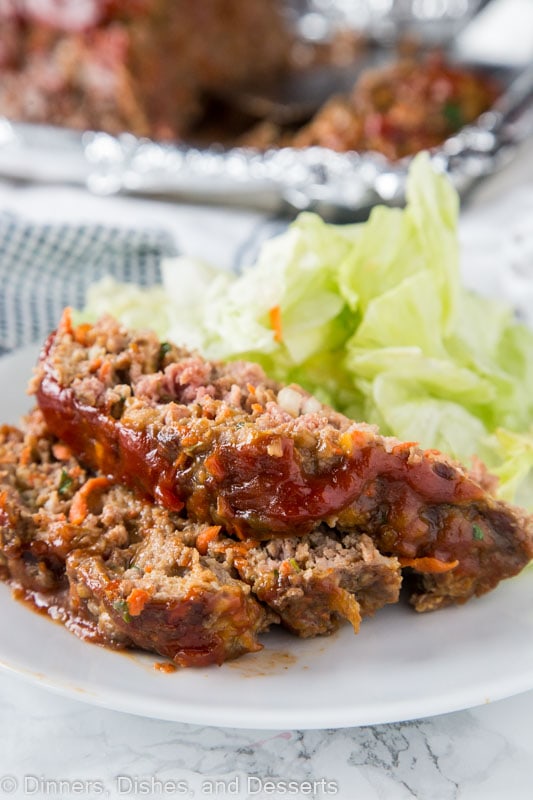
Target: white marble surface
(54,747)
(481,754)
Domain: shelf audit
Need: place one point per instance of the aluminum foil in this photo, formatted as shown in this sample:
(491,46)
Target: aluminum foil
(337,185)
(433,22)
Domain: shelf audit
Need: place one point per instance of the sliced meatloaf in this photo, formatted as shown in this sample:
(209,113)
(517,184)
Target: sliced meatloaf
(161,596)
(226,446)
(313,581)
(121,571)
(111,566)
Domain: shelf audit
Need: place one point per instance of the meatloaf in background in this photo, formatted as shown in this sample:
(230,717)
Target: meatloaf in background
(143,66)
(121,571)
(396,109)
(224,446)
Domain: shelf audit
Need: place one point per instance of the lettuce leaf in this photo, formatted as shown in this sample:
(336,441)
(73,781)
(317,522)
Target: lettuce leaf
(513,465)
(372,318)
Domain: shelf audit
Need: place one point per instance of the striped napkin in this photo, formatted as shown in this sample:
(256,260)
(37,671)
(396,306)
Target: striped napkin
(45,267)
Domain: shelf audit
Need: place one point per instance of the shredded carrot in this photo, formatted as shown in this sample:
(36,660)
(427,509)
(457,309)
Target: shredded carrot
(345,604)
(286,568)
(274,316)
(148,568)
(105,370)
(350,439)
(428,564)
(136,601)
(403,446)
(242,548)
(251,388)
(190,441)
(65,323)
(61,451)
(80,506)
(80,333)
(205,537)
(257,407)
(25,456)
(95,364)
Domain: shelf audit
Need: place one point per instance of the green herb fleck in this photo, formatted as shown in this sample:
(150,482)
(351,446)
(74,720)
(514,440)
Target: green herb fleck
(276,574)
(453,115)
(477,533)
(164,349)
(294,564)
(122,607)
(65,482)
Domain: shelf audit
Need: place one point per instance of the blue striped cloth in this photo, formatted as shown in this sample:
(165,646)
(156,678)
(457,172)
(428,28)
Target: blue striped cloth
(44,268)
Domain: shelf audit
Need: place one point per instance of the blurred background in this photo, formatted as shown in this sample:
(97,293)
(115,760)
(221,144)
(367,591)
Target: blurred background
(298,104)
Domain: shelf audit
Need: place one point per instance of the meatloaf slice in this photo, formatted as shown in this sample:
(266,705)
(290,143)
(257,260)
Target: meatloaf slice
(226,446)
(312,582)
(112,567)
(161,596)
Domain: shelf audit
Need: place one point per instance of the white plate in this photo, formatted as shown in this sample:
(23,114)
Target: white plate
(402,665)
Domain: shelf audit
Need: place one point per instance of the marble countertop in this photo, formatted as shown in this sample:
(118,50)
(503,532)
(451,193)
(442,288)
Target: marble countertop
(56,747)
(481,754)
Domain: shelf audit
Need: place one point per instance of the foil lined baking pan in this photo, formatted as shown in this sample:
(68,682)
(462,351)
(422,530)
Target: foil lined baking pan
(335,184)
(432,22)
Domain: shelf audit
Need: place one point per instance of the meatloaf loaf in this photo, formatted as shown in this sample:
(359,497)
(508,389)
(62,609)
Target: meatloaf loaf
(118,570)
(143,66)
(223,445)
